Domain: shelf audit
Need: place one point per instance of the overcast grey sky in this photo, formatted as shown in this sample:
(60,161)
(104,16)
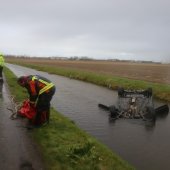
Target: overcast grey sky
(124,29)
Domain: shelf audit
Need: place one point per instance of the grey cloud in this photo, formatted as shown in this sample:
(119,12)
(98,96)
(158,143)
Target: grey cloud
(97,28)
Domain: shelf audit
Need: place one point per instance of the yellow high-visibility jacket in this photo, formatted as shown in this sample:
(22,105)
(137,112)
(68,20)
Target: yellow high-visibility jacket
(1,60)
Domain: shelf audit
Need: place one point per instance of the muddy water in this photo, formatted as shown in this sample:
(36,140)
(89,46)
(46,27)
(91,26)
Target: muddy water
(145,146)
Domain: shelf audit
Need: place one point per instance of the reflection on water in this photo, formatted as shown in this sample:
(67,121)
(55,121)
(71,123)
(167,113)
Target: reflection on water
(149,125)
(143,144)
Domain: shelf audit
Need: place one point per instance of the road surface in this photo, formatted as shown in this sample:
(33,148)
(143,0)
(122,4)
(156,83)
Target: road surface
(17,150)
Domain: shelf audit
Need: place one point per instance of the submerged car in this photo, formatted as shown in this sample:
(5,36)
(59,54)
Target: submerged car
(135,104)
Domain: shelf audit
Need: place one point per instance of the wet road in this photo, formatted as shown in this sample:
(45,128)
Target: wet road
(17,151)
(144,146)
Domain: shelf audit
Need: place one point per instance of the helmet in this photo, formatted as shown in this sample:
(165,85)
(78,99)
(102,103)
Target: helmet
(22,80)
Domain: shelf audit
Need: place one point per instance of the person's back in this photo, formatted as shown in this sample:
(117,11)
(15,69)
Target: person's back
(41,91)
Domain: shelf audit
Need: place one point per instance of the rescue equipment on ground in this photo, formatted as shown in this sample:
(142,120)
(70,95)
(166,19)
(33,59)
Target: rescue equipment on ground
(27,110)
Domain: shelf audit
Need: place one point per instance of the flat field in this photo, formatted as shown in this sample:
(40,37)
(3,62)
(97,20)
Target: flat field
(157,73)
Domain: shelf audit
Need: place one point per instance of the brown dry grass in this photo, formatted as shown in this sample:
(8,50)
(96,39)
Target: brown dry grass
(159,73)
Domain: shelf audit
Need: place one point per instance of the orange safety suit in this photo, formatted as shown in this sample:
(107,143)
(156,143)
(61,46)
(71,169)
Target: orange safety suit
(41,91)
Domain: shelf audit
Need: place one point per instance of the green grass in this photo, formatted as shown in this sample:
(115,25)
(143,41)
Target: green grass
(161,91)
(66,147)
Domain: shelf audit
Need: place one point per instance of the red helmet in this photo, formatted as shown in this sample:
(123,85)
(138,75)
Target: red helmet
(22,80)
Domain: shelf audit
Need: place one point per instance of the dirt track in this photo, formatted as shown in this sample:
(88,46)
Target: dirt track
(159,73)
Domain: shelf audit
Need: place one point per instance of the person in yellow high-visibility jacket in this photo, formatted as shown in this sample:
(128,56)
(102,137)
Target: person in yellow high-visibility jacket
(41,91)
(1,65)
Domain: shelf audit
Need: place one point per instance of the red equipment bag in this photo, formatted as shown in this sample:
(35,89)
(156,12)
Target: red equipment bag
(27,110)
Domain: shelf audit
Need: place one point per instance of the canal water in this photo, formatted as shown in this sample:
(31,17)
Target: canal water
(145,146)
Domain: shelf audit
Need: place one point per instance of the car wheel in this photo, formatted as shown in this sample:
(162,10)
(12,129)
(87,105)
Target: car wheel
(113,112)
(150,114)
(121,92)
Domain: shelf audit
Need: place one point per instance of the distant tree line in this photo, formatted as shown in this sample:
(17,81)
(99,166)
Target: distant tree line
(83,58)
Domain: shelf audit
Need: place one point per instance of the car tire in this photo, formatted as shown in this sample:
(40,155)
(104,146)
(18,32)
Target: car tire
(121,92)
(150,114)
(113,112)
(149,92)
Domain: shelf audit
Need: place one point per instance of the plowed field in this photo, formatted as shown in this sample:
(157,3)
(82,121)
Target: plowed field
(159,73)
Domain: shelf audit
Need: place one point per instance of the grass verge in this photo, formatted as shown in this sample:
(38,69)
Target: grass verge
(66,147)
(160,91)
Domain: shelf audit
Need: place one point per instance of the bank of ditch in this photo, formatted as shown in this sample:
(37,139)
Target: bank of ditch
(160,91)
(63,145)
